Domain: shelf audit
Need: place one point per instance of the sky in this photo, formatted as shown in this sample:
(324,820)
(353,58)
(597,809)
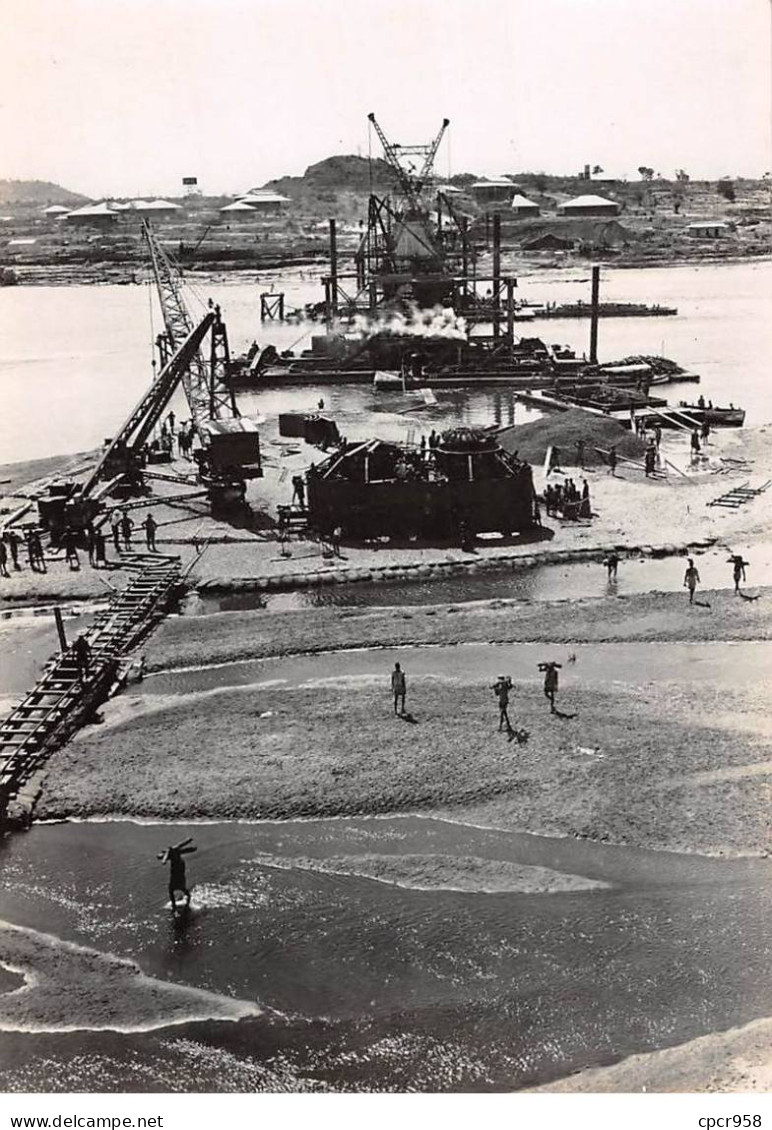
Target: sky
(125,97)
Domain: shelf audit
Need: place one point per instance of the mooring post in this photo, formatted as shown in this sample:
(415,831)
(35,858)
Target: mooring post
(496,275)
(333,270)
(594,316)
(511,311)
(60,628)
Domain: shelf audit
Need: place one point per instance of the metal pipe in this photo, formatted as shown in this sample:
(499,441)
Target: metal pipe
(594,316)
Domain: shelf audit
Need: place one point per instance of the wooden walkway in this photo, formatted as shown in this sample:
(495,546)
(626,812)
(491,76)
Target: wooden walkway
(64,697)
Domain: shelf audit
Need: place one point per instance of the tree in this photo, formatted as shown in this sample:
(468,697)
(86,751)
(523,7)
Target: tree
(725,187)
(596,170)
(646,173)
(682,176)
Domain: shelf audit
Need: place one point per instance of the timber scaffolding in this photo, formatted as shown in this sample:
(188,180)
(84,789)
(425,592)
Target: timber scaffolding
(62,700)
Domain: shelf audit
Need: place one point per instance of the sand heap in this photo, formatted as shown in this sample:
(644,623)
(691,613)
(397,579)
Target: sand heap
(563,430)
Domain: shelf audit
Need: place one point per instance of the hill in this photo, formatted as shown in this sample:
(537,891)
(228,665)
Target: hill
(36,192)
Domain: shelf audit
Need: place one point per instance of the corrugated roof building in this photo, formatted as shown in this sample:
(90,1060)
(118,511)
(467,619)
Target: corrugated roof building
(589,206)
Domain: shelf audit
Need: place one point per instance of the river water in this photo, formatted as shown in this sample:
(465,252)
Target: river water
(74,360)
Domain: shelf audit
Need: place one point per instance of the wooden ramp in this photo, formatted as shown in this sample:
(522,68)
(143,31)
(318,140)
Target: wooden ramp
(63,697)
(738,496)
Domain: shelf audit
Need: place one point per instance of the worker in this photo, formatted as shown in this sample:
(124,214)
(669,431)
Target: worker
(100,547)
(36,552)
(657,435)
(177,877)
(738,569)
(3,558)
(501,689)
(13,545)
(115,526)
(82,654)
(126,528)
(90,543)
(299,491)
(691,579)
(70,548)
(171,418)
(612,565)
(705,430)
(550,682)
(337,534)
(650,459)
(320,404)
(612,460)
(585,506)
(150,526)
(580,453)
(398,688)
(695,443)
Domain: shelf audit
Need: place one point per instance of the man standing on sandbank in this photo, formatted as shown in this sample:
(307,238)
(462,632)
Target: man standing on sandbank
(691,579)
(398,688)
(501,689)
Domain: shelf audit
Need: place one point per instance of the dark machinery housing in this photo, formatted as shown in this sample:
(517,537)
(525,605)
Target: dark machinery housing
(465,485)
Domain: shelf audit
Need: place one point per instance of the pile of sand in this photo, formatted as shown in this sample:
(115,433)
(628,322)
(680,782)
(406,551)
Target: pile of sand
(563,430)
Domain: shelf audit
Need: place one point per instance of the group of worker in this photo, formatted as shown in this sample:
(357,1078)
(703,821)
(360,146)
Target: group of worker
(566,499)
(692,575)
(10,544)
(501,688)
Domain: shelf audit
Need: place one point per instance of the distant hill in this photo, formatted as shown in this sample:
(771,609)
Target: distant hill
(336,174)
(36,192)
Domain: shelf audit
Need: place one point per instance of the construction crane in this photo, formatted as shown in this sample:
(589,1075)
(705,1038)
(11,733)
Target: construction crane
(206,387)
(411,183)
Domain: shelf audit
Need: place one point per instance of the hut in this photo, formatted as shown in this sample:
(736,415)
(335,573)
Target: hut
(94,216)
(156,209)
(238,210)
(522,206)
(708,229)
(496,190)
(589,206)
(263,201)
(549,241)
(56,211)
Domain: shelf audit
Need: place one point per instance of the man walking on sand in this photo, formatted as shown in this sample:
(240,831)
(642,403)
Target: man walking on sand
(691,579)
(738,569)
(150,526)
(550,681)
(501,689)
(398,688)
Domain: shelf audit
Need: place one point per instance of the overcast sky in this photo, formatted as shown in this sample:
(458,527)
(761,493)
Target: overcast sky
(128,96)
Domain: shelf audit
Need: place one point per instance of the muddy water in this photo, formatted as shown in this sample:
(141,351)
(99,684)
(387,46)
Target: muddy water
(512,988)
(570,581)
(85,351)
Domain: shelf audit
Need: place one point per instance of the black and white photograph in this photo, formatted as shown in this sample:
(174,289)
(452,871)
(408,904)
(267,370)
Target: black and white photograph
(385,550)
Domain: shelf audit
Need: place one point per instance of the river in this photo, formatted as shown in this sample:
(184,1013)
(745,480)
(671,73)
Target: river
(76,359)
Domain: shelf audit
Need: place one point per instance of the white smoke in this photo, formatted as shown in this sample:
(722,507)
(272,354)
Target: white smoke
(437,322)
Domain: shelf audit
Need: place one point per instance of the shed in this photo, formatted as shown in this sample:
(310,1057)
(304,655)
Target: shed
(237,210)
(589,206)
(156,209)
(548,242)
(56,211)
(522,206)
(94,215)
(265,201)
(708,229)
(496,190)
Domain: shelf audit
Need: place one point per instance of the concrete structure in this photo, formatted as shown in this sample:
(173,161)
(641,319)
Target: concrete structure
(708,229)
(589,206)
(94,215)
(522,206)
(496,190)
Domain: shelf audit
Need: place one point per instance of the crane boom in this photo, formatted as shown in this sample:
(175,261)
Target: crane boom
(428,164)
(148,411)
(208,396)
(411,184)
(391,152)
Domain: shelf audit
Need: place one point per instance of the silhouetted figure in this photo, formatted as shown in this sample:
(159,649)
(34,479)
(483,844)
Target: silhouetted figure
(126,530)
(3,559)
(738,569)
(177,878)
(70,549)
(612,564)
(13,545)
(150,526)
(398,688)
(82,653)
(299,491)
(612,460)
(691,579)
(100,548)
(550,681)
(501,689)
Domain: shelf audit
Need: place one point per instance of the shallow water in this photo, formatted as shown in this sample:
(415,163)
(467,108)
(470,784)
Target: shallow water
(530,986)
(85,351)
(569,581)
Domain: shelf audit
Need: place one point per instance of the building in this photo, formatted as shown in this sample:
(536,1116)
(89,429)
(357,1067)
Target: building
(156,209)
(548,242)
(708,229)
(94,216)
(522,206)
(589,206)
(55,211)
(264,201)
(496,190)
(238,210)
